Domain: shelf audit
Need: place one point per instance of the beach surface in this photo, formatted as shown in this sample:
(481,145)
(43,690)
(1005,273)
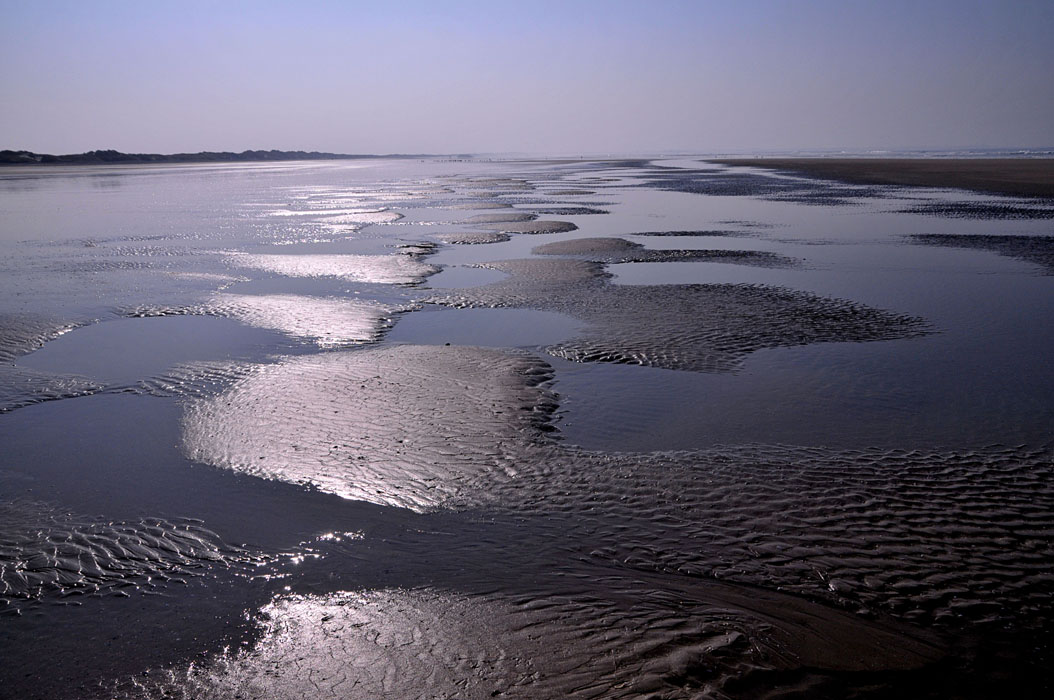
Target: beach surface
(1019,177)
(583,429)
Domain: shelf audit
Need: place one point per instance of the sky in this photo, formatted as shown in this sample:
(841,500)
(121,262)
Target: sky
(567,77)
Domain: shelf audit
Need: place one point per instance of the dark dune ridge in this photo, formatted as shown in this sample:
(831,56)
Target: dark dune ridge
(619,250)
(701,328)
(1033,249)
(1029,177)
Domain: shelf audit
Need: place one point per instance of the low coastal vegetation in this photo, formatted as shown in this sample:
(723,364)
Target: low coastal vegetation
(110,156)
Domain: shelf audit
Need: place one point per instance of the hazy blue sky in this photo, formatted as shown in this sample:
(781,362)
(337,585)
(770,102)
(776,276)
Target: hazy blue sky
(529,76)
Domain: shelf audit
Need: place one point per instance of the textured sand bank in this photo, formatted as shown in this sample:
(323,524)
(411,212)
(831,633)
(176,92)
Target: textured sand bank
(1030,177)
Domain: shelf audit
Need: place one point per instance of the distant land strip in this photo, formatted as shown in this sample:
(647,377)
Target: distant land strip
(109,156)
(1021,177)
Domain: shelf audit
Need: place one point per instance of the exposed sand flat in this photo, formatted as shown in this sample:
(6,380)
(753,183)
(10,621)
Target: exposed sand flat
(619,250)
(503,218)
(387,443)
(531,227)
(696,327)
(1034,249)
(23,333)
(428,643)
(557,210)
(50,553)
(1029,177)
(473,238)
(21,386)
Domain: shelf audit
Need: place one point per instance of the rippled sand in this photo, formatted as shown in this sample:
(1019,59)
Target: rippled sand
(402,426)
(1034,249)
(397,643)
(20,387)
(473,238)
(48,554)
(537,227)
(703,328)
(619,250)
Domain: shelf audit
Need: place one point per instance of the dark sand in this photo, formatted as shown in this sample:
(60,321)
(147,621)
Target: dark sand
(1027,177)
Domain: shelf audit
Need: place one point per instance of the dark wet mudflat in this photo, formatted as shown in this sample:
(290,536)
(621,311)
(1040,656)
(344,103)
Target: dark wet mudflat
(1009,176)
(558,429)
(1035,249)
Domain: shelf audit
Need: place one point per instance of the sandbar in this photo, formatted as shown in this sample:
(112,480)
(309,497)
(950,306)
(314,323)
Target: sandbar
(1020,177)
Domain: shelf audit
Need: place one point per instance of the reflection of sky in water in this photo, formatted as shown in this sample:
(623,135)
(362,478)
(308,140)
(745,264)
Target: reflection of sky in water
(327,322)
(378,269)
(364,424)
(461,276)
(128,350)
(500,328)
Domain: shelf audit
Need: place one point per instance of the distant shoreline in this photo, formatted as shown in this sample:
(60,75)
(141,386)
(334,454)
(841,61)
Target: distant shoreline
(1020,177)
(110,157)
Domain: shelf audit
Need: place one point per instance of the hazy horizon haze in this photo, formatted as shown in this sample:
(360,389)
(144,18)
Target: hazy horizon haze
(578,77)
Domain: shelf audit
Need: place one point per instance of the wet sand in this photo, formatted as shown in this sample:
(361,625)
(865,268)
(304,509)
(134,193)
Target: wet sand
(1025,177)
(450,453)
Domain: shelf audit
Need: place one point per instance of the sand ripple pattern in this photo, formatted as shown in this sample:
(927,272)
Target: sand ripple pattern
(619,250)
(735,183)
(428,643)
(701,328)
(982,210)
(405,426)
(194,380)
(531,227)
(712,573)
(509,216)
(45,555)
(21,387)
(21,334)
(942,538)
(377,269)
(1033,249)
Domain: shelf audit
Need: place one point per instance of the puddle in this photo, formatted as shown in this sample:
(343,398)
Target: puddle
(130,349)
(515,328)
